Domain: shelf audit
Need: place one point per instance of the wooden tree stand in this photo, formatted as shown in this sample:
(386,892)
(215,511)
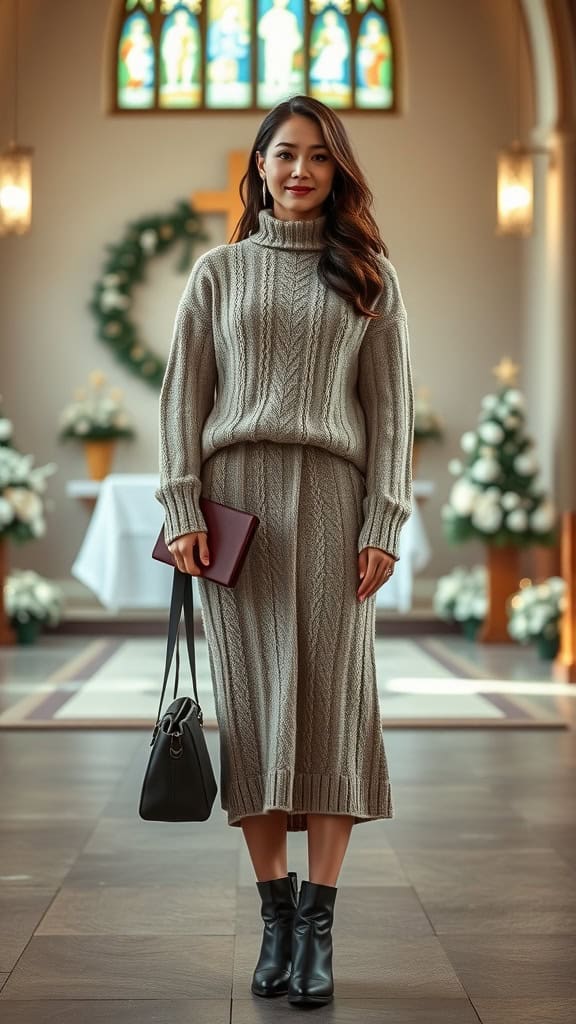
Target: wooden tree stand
(503,564)
(565,664)
(7,634)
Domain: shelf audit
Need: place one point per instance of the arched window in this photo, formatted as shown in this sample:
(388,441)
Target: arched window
(193,55)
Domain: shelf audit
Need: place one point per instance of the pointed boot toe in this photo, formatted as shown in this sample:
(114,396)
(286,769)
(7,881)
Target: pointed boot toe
(279,899)
(311,980)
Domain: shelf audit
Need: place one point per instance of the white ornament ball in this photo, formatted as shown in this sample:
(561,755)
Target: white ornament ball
(485,470)
(463,496)
(468,441)
(517,520)
(491,432)
(510,500)
(543,518)
(525,464)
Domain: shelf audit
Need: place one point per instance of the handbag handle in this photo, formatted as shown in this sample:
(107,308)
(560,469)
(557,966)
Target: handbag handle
(182,594)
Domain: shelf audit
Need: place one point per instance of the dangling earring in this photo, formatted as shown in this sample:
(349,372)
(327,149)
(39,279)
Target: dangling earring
(264,191)
(333,196)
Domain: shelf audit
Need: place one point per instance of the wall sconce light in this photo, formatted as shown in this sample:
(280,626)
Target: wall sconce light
(16,170)
(515,191)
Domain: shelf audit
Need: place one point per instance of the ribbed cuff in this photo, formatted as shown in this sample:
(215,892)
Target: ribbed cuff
(383,522)
(181,501)
(311,793)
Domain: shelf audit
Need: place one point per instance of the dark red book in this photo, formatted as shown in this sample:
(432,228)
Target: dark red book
(230,534)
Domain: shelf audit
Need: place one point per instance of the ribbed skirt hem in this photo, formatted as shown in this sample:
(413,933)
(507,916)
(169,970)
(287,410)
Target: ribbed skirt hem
(302,794)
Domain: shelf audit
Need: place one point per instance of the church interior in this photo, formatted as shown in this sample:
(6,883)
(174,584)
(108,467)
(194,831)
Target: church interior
(125,130)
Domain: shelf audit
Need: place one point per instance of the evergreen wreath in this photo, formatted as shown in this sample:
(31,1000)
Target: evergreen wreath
(126,264)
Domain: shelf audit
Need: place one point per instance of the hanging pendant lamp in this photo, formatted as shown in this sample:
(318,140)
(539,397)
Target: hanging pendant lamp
(16,169)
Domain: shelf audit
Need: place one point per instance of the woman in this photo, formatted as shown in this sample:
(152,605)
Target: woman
(288,393)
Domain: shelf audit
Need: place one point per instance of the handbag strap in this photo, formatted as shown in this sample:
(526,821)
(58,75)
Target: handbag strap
(182,595)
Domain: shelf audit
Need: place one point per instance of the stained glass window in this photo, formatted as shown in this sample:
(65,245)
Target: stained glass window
(181,55)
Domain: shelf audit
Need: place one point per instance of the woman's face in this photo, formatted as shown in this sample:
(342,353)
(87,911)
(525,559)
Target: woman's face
(297,157)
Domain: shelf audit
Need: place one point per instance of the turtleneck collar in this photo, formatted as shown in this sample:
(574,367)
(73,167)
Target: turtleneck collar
(289,234)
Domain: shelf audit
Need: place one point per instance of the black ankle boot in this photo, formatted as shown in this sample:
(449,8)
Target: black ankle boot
(311,980)
(279,899)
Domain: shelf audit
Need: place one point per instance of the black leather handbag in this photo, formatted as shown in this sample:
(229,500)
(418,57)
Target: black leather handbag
(179,783)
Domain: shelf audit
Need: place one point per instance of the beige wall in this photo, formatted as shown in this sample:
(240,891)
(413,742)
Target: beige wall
(432,169)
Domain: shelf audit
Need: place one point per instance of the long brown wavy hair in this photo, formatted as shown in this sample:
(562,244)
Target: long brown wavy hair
(348,263)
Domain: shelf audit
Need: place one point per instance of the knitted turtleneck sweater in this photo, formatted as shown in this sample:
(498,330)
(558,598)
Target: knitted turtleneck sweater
(263,350)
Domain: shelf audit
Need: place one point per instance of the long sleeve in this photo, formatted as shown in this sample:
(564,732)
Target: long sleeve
(186,398)
(386,394)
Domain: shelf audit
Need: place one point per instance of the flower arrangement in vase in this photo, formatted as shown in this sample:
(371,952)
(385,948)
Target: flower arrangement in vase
(534,614)
(461,596)
(98,420)
(31,602)
(22,507)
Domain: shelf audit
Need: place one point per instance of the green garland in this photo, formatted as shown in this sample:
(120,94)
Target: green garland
(111,303)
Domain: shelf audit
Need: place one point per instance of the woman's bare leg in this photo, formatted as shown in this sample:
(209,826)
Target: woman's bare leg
(265,836)
(328,837)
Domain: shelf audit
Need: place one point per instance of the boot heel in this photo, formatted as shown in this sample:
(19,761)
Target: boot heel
(311,980)
(279,899)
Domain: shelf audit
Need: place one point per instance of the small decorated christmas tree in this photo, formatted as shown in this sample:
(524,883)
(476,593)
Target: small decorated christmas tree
(496,497)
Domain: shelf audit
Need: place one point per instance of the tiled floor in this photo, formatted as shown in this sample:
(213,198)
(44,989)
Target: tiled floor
(461,908)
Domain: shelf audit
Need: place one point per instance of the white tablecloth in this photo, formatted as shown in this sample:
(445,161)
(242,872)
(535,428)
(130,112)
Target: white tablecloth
(115,559)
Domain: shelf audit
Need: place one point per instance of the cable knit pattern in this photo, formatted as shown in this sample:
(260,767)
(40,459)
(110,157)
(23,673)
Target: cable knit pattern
(262,350)
(291,647)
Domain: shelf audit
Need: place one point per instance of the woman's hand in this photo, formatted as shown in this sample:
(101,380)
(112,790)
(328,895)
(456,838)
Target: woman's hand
(375,567)
(182,547)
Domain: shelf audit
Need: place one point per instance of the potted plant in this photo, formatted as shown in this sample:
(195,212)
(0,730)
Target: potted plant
(22,505)
(31,602)
(98,420)
(428,426)
(497,497)
(461,596)
(534,614)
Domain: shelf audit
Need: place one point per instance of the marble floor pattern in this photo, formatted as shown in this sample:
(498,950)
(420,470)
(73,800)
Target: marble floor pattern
(426,681)
(460,909)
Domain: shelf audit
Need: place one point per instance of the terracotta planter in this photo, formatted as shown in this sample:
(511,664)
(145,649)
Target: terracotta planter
(99,456)
(503,564)
(416,453)
(7,634)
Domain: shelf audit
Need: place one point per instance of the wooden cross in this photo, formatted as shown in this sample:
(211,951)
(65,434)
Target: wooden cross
(228,200)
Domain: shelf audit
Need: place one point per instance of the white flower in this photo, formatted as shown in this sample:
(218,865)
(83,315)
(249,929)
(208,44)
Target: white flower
(7,512)
(556,585)
(5,429)
(111,299)
(525,464)
(485,470)
(455,467)
(111,280)
(518,626)
(26,504)
(468,441)
(517,520)
(543,517)
(149,240)
(491,432)
(462,496)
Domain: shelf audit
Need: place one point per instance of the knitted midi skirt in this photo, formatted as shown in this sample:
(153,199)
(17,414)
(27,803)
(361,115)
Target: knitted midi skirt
(291,649)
